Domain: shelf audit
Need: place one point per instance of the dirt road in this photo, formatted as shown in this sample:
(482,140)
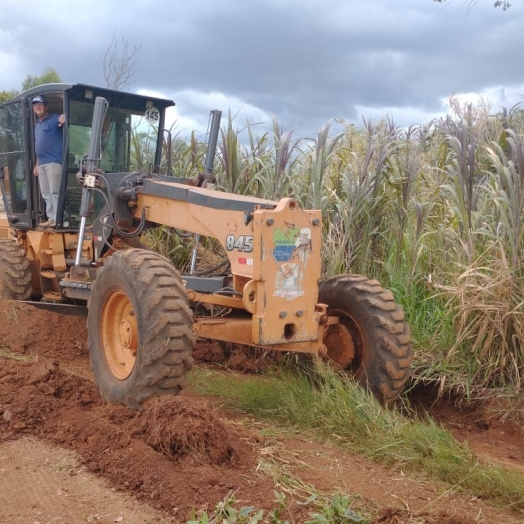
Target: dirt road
(65,457)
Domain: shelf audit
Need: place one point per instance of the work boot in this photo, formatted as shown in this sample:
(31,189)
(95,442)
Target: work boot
(47,223)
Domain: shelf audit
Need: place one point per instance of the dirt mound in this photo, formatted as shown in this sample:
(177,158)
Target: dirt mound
(42,399)
(28,330)
(172,427)
(170,447)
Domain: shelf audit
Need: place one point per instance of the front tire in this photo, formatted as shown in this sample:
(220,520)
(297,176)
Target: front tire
(15,273)
(139,328)
(372,339)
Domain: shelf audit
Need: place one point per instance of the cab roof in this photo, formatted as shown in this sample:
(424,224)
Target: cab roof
(87,92)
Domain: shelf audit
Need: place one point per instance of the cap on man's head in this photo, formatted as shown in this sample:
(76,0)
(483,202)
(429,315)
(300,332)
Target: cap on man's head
(39,100)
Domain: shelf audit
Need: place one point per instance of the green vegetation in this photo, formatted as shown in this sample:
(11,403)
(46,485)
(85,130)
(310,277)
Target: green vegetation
(336,511)
(49,76)
(335,410)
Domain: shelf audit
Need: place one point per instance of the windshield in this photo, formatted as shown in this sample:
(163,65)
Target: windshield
(128,140)
(128,144)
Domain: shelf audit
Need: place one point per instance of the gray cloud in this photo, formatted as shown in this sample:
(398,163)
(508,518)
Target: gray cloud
(304,61)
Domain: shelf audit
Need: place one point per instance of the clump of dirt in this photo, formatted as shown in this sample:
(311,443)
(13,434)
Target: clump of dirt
(172,427)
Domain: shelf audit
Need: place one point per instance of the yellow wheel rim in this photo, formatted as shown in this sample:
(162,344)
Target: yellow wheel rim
(119,334)
(344,342)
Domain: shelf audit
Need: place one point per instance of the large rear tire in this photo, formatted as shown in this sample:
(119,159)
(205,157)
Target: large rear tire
(15,273)
(139,328)
(372,339)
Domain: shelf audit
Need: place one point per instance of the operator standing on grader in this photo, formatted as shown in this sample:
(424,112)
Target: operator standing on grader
(49,150)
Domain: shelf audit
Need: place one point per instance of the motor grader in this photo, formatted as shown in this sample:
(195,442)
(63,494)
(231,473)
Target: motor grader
(143,314)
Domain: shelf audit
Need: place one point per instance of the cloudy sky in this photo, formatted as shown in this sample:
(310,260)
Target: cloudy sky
(303,61)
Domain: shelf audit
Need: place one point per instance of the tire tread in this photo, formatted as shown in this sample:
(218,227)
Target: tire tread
(166,338)
(389,365)
(15,276)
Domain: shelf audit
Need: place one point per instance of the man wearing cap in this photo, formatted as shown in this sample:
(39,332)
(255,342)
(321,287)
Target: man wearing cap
(49,149)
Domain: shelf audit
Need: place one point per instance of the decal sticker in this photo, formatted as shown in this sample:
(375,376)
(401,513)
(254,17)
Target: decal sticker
(292,243)
(292,247)
(284,240)
(245,261)
(288,281)
(303,246)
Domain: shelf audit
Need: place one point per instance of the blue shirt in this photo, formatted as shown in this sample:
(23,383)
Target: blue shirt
(48,140)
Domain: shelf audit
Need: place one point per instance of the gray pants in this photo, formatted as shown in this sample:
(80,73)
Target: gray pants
(49,176)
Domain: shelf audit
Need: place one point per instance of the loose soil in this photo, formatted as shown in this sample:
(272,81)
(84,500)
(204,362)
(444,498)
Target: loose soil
(66,457)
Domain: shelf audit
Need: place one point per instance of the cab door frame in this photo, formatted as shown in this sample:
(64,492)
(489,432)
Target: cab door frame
(16,156)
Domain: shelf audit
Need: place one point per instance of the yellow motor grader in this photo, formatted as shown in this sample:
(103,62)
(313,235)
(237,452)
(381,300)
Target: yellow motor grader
(143,314)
